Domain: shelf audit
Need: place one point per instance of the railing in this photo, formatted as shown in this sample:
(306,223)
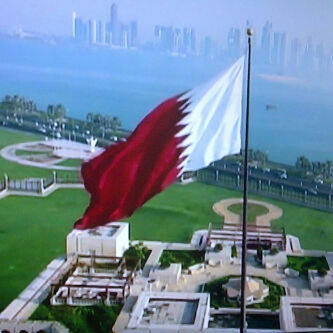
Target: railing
(37,185)
(25,185)
(307,196)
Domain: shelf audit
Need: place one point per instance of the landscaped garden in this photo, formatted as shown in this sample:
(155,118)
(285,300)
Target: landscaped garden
(219,299)
(18,171)
(253,210)
(81,319)
(136,254)
(35,228)
(184,257)
(303,264)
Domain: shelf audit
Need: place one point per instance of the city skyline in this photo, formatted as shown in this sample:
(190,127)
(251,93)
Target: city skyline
(274,48)
(300,19)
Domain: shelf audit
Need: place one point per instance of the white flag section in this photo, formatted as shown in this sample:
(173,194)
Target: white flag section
(213,122)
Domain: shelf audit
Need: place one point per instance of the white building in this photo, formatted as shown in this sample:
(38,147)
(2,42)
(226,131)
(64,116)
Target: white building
(110,240)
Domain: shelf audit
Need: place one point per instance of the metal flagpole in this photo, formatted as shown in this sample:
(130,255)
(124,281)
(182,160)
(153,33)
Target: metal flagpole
(244,243)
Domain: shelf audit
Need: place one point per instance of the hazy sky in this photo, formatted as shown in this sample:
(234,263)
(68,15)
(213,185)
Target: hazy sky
(296,17)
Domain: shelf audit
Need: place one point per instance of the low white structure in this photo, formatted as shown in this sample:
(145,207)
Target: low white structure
(255,289)
(72,149)
(318,282)
(305,314)
(276,260)
(168,275)
(289,272)
(111,240)
(169,312)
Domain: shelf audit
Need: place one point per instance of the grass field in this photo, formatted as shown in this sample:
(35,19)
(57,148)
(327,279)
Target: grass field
(253,210)
(71,162)
(33,230)
(89,319)
(17,171)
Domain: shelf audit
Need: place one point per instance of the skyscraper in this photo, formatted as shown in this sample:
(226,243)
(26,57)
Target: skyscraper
(114,24)
(73,25)
(100,32)
(133,34)
(79,28)
(295,51)
(278,49)
(308,56)
(266,42)
(234,42)
(188,45)
(92,31)
(177,41)
(108,33)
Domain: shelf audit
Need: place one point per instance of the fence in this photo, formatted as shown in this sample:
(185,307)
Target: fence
(26,185)
(276,189)
(37,185)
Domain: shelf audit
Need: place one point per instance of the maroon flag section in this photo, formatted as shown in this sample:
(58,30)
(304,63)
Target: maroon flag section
(129,173)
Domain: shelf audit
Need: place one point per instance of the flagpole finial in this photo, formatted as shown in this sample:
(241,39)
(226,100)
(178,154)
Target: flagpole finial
(249,32)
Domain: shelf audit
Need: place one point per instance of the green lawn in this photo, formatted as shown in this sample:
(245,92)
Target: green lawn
(303,264)
(33,230)
(15,170)
(20,152)
(253,210)
(71,162)
(89,319)
(186,258)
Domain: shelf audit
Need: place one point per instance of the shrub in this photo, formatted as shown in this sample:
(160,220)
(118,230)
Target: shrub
(218,247)
(274,250)
(259,253)
(234,251)
(322,271)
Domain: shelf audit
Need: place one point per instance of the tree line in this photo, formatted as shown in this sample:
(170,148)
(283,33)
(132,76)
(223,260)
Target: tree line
(25,113)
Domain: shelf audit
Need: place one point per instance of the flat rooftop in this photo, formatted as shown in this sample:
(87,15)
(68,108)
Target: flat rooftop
(170,310)
(306,314)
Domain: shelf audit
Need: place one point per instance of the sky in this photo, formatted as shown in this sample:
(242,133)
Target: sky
(301,18)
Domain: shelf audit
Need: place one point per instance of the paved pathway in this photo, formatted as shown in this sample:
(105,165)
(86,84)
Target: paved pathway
(152,260)
(221,208)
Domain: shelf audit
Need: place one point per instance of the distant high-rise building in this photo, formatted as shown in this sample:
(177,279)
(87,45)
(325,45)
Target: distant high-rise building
(100,32)
(92,31)
(177,41)
(188,43)
(108,33)
(193,41)
(234,42)
(114,24)
(308,56)
(133,34)
(73,25)
(279,49)
(165,37)
(124,36)
(79,28)
(295,53)
(266,42)
(320,62)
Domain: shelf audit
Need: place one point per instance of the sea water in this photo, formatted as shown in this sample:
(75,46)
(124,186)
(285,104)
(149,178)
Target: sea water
(129,84)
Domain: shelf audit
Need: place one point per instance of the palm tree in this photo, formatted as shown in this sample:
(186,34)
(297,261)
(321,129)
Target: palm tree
(115,124)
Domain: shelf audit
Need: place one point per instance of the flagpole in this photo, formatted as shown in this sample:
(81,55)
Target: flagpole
(243,327)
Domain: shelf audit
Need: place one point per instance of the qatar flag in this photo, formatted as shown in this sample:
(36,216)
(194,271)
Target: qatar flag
(184,133)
